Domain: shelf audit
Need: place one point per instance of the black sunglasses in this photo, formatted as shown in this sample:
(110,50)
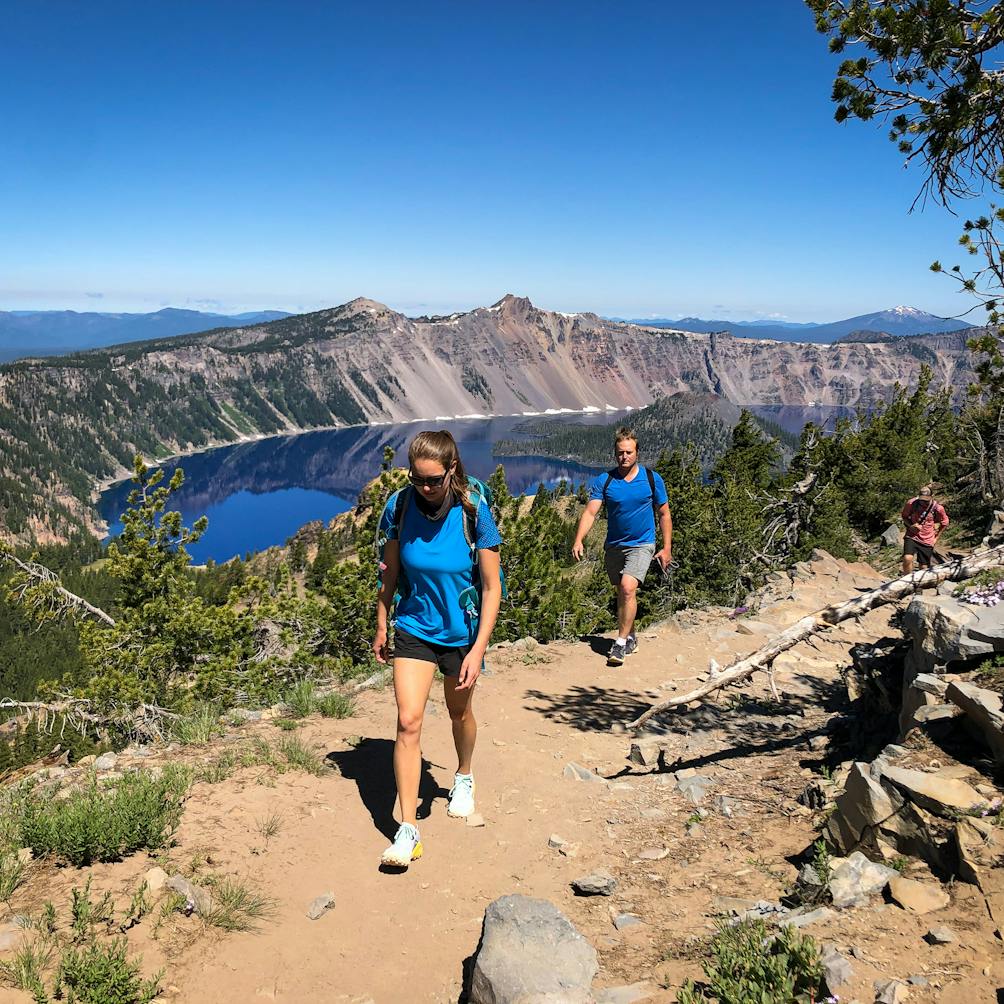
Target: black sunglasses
(435,481)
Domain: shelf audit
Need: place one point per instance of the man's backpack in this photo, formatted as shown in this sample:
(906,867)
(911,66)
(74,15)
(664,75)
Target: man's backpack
(389,528)
(651,488)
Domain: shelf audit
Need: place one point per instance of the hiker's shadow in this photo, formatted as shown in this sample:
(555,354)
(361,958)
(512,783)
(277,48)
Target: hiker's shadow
(599,644)
(371,765)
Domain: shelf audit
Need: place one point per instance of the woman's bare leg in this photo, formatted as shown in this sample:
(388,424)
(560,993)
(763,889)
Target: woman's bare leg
(412,683)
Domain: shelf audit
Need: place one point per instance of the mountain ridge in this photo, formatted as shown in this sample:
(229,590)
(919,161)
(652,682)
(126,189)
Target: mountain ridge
(73,421)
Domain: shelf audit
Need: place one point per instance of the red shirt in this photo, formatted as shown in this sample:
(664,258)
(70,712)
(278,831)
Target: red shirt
(926,512)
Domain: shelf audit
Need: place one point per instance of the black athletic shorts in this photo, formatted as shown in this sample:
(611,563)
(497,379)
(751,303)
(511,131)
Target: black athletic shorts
(924,552)
(447,660)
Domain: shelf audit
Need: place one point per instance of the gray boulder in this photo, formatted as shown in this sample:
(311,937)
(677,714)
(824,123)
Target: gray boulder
(530,953)
(945,630)
(983,709)
(938,793)
(855,879)
(892,536)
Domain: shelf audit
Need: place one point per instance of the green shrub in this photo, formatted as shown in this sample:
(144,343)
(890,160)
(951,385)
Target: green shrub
(301,699)
(236,907)
(336,705)
(198,727)
(103,974)
(11,875)
(750,965)
(96,823)
(25,968)
(298,754)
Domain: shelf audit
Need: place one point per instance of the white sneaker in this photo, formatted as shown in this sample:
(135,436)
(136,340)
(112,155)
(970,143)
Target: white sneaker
(407,847)
(461,796)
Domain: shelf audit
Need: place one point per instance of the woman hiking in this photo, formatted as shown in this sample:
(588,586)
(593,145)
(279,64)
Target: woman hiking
(449,591)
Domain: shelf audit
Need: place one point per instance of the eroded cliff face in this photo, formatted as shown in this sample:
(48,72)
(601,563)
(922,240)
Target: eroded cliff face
(67,422)
(514,357)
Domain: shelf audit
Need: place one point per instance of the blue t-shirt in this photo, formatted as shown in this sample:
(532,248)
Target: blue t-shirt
(630,517)
(437,564)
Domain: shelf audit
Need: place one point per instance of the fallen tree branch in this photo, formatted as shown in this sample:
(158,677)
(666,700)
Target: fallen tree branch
(145,721)
(37,576)
(956,570)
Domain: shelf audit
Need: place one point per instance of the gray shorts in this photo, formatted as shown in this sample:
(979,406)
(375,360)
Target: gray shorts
(633,561)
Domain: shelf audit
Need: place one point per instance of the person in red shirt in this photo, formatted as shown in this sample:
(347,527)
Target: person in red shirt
(925,519)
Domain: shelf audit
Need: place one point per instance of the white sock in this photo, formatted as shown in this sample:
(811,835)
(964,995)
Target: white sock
(464,775)
(621,641)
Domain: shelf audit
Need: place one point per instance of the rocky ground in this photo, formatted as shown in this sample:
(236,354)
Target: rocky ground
(715,827)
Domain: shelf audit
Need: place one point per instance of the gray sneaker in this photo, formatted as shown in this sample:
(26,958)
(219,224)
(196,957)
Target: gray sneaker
(618,651)
(632,645)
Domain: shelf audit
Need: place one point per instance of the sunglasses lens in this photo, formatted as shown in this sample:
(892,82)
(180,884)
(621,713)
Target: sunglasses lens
(435,481)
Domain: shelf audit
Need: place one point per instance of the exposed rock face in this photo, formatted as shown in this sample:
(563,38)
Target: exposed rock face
(983,711)
(530,953)
(944,631)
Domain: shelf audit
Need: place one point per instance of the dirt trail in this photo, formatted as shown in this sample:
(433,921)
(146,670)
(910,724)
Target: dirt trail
(398,937)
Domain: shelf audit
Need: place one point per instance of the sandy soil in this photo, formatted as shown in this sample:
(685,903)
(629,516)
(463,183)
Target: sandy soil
(398,937)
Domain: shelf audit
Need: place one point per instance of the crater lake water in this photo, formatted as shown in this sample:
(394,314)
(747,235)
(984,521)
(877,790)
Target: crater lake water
(258,494)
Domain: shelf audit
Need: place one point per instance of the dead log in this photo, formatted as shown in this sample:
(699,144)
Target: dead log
(956,570)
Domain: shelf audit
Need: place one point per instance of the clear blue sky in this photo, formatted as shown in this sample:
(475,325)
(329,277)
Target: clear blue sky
(635,159)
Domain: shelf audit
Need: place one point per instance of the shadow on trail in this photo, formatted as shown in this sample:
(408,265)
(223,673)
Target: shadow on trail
(599,644)
(589,709)
(371,766)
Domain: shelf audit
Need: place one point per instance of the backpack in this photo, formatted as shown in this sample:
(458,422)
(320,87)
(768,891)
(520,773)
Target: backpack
(651,488)
(389,529)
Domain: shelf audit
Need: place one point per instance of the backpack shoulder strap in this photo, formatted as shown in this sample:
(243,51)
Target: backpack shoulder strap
(606,484)
(475,493)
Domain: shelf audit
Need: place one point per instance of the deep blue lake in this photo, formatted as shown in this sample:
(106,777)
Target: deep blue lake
(259,494)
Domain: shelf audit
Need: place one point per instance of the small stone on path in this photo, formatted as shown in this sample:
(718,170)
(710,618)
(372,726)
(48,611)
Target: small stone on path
(576,772)
(625,920)
(940,936)
(320,905)
(156,879)
(891,992)
(475,819)
(597,884)
(653,854)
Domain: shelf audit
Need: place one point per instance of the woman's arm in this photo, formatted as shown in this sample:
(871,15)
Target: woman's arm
(491,600)
(385,597)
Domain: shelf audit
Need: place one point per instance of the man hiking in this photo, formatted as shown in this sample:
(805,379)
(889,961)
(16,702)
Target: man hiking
(633,496)
(925,520)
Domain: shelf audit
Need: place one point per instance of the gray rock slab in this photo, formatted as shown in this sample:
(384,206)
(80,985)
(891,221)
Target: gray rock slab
(855,879)
(837,970)
(198,899)
(320,905)
(891,992)
(944,796)
(625,920)
(940,936)
(936,713)
(576,772)
(694,788)
(799,920)
(596,884)
(983,709)
(529,952)
(931,684)
(106,761)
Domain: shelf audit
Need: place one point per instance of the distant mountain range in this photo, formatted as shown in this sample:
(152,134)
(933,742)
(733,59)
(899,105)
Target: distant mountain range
(896,321)
(53,332)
